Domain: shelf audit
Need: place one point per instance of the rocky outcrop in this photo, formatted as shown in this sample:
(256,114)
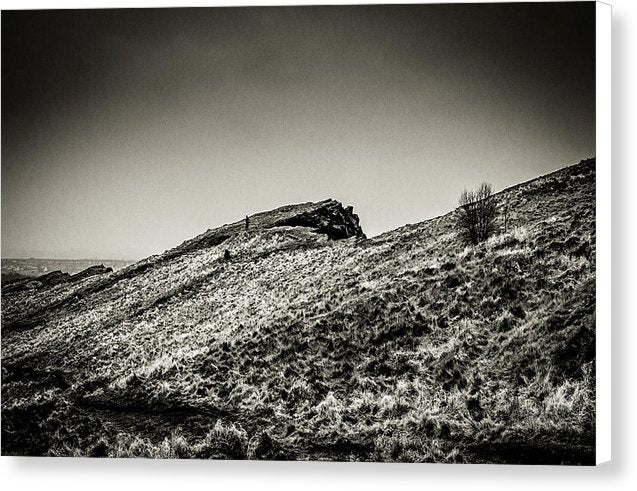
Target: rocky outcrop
(53,278)
(91,271)
(330,218)
(49,279)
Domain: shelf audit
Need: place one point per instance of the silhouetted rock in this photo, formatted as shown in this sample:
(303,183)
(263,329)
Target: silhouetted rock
(91,271)
(53,278)
(29,283)
(329,218)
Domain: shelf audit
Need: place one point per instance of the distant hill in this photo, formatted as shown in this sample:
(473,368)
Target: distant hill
(38,267)
(12,276)
(54,278)
(299,338)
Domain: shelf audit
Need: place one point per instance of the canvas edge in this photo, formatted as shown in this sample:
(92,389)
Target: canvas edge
(603,314)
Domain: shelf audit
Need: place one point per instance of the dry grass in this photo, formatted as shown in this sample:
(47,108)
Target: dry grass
(404,347)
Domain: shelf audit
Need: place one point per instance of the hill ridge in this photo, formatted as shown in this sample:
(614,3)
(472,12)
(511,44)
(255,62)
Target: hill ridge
(408,346)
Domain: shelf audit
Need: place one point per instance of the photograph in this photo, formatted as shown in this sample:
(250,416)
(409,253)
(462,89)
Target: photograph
(351,233)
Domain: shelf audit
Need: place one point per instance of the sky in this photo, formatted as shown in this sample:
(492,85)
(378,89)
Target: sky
(126,132)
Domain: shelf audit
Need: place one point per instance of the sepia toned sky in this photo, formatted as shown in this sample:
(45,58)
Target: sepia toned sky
(125,132)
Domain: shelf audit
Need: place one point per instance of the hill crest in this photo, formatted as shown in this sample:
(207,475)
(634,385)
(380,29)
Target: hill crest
(407,346)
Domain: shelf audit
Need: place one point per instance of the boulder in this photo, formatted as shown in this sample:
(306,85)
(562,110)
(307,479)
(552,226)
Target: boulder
(91,271)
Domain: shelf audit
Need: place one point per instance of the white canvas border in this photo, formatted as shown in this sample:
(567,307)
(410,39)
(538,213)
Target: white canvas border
(603,234)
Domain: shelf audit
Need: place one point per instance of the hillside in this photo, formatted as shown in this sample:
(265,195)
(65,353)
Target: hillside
(314,342)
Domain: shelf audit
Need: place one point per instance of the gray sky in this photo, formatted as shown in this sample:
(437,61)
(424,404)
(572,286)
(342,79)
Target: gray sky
(126,132)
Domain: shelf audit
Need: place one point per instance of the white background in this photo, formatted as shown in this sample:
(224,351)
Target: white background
(621,473)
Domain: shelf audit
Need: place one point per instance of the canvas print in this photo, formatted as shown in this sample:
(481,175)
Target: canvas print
(345,233)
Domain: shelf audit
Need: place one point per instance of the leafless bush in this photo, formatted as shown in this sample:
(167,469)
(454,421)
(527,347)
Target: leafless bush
(477,214)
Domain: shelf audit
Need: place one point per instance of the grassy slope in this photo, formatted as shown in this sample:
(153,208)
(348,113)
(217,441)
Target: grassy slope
(407,346)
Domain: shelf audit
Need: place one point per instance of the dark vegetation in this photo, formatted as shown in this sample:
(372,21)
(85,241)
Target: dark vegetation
(478,211)
(12,276)
(409,346)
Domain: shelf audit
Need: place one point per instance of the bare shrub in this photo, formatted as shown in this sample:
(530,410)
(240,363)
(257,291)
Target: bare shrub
(478,213)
